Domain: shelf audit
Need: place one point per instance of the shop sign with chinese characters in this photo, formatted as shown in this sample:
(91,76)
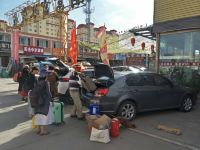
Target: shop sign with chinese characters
(186,64)
(33,50)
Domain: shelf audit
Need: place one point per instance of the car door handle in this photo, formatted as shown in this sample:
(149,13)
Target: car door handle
(134,90)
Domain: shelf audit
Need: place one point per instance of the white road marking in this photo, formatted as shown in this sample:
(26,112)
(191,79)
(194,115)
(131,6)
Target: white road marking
(11,108)
(20,129)
(166,140)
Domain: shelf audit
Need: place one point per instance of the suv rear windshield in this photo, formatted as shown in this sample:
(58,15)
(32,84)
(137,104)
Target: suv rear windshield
(58,63)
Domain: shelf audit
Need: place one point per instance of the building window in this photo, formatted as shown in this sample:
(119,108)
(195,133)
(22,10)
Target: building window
(42,43)
(24,40)
(30,29)
(57,45)
(179,56)
(35,30)
(7,38)
(1,37)
(47,32)
(180,45)
(5,45)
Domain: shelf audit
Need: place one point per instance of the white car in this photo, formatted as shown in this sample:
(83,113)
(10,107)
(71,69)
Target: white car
(63,83)
(63,88)
(127,69)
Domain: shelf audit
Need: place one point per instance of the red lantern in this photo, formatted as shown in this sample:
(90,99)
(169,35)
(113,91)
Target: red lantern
(152,47)
(143,45)
(133,41)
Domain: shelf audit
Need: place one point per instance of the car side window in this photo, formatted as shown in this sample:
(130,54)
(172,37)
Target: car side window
(148,80)
(161,81)
(117,69)
(134,80)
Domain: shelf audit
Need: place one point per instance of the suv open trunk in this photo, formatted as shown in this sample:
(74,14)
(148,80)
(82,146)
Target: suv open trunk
(103,79)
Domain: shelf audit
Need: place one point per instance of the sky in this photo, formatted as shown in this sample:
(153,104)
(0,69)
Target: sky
(120,15)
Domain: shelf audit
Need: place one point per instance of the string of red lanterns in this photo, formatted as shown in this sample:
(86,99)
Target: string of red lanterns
(142,45)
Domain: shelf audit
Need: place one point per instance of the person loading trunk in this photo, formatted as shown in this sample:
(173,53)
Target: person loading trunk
(74,86)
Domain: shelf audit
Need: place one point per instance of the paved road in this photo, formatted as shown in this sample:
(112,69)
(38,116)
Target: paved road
(16,132)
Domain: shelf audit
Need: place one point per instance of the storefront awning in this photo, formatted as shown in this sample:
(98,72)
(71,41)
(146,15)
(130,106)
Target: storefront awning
(146,32)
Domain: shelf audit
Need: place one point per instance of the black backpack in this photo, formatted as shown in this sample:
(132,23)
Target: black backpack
(27,85)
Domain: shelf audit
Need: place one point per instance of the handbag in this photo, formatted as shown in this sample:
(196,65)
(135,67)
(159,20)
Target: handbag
(33,123)
(23,93)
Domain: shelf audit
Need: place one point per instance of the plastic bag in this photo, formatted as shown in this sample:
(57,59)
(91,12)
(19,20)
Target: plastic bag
(102,136)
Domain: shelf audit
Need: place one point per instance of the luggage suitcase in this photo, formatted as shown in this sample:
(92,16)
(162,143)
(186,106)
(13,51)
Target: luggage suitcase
(58,112)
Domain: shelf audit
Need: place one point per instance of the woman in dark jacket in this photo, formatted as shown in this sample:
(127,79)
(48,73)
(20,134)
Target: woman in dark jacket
(43,112)
(29,85)
(22,79)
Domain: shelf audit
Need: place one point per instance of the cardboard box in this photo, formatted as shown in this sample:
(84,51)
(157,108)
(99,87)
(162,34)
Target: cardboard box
(103,122)
(98,122)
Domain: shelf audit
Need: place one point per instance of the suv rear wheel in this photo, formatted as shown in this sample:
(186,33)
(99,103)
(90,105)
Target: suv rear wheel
(127,110)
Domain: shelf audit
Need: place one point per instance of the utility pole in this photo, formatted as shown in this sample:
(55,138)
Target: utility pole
(88,11)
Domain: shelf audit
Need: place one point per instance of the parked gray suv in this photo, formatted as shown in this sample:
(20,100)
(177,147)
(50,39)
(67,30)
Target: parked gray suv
(127,94)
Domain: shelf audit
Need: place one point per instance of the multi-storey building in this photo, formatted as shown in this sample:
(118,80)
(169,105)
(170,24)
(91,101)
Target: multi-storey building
(5,44)
(44,34)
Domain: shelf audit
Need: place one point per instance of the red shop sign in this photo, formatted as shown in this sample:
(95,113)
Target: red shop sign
(180,64)
(33,50)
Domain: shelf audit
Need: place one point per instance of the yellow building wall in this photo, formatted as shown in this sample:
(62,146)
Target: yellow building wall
(47,27)
(166,10)
(3,26)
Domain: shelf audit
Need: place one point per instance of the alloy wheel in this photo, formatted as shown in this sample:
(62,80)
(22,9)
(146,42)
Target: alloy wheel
(128,111)
(187,104)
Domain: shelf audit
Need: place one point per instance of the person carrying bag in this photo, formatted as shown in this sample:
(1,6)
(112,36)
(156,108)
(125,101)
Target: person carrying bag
(41,101)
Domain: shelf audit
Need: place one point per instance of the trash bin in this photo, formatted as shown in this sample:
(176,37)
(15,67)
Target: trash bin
(4,73)
(1,71)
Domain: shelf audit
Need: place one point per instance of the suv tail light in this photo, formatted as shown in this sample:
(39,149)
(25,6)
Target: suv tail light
(102,91)
(65,79)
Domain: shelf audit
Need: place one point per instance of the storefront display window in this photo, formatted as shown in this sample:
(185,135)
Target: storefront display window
(180,57)
(185,45)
